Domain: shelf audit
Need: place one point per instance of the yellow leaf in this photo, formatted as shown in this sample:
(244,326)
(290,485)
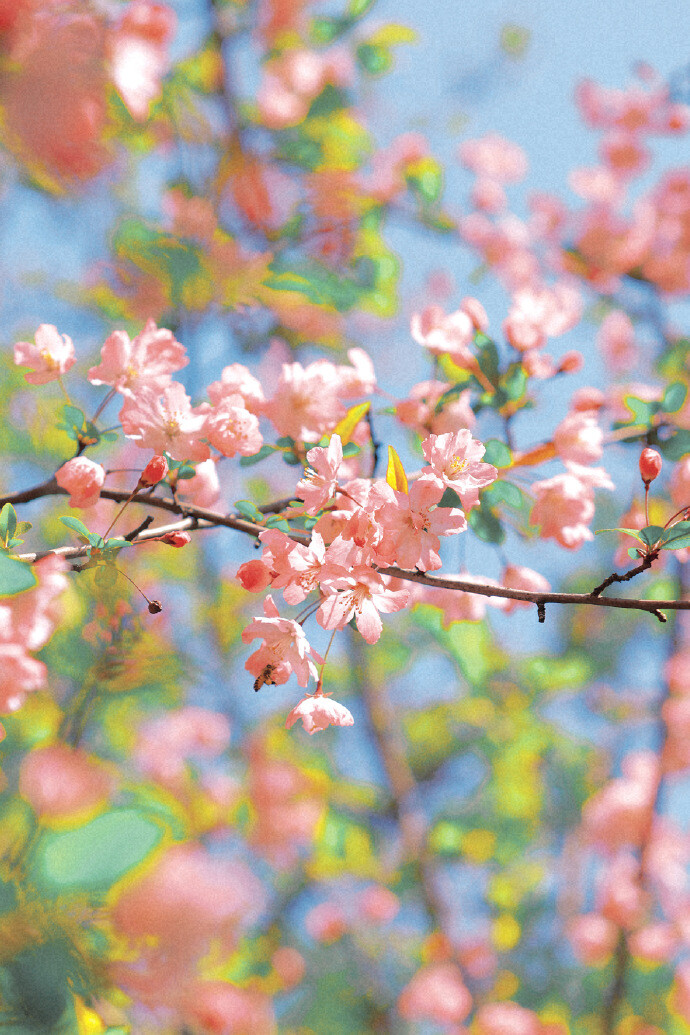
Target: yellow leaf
(350,421)
(392,35)
(395,475)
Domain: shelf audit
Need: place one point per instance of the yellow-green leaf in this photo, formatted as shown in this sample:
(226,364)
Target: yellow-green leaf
(350,421)
(395,475)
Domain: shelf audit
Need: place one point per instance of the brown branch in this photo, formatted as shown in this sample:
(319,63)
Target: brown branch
(201,517)
(615,577)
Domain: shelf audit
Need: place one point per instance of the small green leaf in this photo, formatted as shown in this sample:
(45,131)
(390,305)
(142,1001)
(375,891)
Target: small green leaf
(15,576)
(487,357)
(278,522)
(249,461)
(374,59)
(677,446)
(642,411)
(92,857)
(450,498)
(185,471)
(486,525)
(22,527)
(514,382)
(249,510)
(678,537)
(497,453)
(652,533)
(635,554)
(8,523)
(115,544)
(504,492)
(77,526)
(674,397)
(350,449)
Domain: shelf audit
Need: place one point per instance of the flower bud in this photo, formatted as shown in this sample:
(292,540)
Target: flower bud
(155,607)
(155,470)
(176,539)
(650,465)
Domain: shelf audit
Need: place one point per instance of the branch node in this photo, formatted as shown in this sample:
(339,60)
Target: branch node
(660,615)
(541,611)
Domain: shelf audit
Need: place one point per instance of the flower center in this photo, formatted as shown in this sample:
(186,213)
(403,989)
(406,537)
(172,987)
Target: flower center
(49,360)
(458,464)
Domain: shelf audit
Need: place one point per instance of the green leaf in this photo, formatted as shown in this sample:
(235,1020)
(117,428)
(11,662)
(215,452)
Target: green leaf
(486,525)
(487,357)
(350,449)
(642,411)
(328,30)
(497,453)
(635,554)
(678,536)
(115,544)
(504,492)
(249,510)
(249,461)
(278,522)
(652,533)
(77,526)
(15,576)
(514,382)
(358,8)
(677,446)
(8,523)
(450,498)
(674,397)
(94,856)
(71,421)
(329,100)
(372,59)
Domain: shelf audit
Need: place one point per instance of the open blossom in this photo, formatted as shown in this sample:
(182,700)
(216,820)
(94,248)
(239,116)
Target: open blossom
(446,335)
(51,356)
(564,509)
(456,461)
(317,712)
(419,411)
(437,993)
(232,429)
(138,53)
(235,379)
(321,478)
(507,1018)
(305,403)
(579,438)
(361,594)
(413,523)
(146,361)
(285,649)
(164,421)
(58,780)
(82,479)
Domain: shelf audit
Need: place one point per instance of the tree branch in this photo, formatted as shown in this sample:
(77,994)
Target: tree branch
(200,517)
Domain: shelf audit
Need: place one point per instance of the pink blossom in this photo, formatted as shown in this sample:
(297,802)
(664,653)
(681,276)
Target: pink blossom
(326,922)
(317,712)
(305,403)
(221,1008)
(358,379)
(419,410)
(456,461)
(507,1018)
(656,942)
(593,938)
(289,966)
(61,781)
(254,576)
(579,438)
(616,341)
(154,472)
(378,904)
(235,379)
(285,649)
(494,157)
(298,571)
(19,675)
(321,478)
(232,429)
(619,813)
(164,421)
(445,335)
(165,742)
(82,479)
(621,897)
(51,356)
(362,594)
(413,523)
(564,509)
(146,361)
(139,53)
(203,488)
(437,993)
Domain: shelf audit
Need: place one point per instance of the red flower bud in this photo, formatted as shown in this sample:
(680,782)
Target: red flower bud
(650,465)
(155,470)
(177,539)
